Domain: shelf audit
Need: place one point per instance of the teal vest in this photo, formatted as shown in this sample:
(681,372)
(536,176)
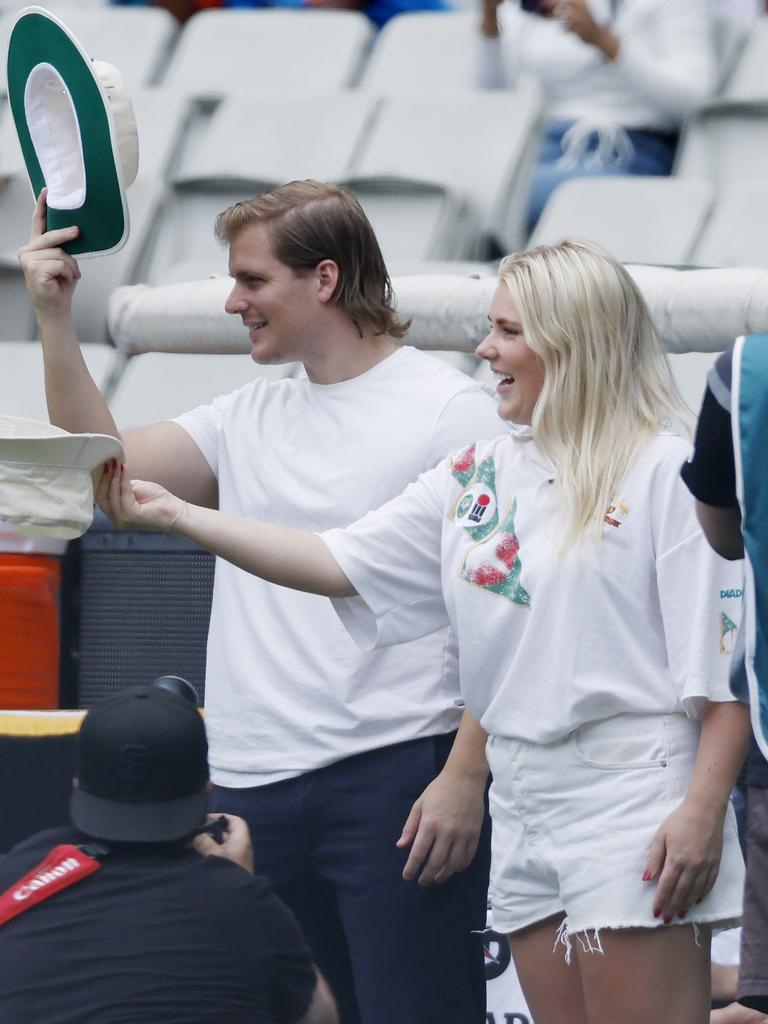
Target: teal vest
(749,417)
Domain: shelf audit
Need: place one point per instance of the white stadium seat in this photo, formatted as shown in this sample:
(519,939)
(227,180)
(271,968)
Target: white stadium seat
(136,40)
(478,148)
(269,52)
(637,219)
(725,142)
(749,78)
(22,387)
(737,233)
(159,385)
(16,205)
(285,139)
(690,370)
(162,116)
(425,53)
(731,33)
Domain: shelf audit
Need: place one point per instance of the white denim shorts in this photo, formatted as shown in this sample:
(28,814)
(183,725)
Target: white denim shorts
(572,822)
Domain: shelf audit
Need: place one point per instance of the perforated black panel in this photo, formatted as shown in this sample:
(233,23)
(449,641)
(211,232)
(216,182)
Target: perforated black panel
(145,602)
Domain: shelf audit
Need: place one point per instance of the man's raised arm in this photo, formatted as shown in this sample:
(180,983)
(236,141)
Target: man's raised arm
(162,451)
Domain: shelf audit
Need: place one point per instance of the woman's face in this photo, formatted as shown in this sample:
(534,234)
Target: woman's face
(518,370)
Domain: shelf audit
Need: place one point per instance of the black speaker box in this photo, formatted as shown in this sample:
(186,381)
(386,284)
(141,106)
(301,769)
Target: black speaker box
(142,606)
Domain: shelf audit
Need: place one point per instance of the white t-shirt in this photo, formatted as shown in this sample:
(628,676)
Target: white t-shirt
(665,68)
(287,690)
(642,621)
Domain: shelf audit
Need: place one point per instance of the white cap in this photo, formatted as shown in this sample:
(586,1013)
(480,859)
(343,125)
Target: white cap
(46,487)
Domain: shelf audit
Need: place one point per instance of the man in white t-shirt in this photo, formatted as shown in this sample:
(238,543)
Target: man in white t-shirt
(343,762)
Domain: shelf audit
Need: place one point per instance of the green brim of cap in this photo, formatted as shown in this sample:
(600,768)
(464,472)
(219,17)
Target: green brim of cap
(38,38)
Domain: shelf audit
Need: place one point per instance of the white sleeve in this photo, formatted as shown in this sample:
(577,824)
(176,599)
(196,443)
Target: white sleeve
(470,414)
(490,66)
(392,557)
(203,425)
(700,599)
(499,61)
(676,68)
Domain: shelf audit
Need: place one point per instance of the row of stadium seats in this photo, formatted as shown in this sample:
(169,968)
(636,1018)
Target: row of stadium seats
(672,221)
(293,52)
(429,198)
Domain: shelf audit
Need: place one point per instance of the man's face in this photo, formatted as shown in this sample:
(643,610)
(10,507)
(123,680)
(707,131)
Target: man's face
(279,307)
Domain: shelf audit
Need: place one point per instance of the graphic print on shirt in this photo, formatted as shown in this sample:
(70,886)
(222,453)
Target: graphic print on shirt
(728,630)
(618,510)
(477,510)
(494,562)
(463,465)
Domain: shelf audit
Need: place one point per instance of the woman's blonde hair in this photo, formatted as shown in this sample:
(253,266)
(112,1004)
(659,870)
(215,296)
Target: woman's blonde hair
(607,385)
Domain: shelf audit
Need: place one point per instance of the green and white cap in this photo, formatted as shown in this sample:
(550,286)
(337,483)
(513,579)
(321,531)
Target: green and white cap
(76,128)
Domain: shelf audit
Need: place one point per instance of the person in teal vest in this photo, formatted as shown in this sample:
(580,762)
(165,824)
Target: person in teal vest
(728,477)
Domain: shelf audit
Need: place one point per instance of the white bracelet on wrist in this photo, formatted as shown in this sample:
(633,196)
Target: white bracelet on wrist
(176,518)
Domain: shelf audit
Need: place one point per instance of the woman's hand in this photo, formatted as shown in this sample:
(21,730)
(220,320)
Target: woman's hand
(136,504)
(576,17)
(489,21)
(685,858)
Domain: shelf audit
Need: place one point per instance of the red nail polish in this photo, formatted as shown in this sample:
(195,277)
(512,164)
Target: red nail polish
(667,920)
(646,876)
(681,913)
(657,913)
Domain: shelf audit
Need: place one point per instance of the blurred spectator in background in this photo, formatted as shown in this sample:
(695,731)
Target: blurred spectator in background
(619,77)
(379,11)
(748,10)
(711,476)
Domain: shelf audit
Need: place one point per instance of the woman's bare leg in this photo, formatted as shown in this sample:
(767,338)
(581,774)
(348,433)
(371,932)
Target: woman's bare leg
(552,988)
(647,975)
(735,1013)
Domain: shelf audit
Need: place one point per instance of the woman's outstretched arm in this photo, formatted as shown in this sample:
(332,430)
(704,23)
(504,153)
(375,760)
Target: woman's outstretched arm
(279,554)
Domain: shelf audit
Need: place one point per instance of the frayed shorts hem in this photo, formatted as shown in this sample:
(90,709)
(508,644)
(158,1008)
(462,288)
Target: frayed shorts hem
(505,925)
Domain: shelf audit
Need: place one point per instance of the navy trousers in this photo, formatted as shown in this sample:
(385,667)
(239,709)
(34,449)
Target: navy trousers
(392,951)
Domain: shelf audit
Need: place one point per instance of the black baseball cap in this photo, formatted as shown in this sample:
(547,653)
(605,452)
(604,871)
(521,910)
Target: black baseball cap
(142,768)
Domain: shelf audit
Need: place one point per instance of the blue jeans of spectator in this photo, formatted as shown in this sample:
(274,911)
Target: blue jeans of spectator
(392,951)
(654,153)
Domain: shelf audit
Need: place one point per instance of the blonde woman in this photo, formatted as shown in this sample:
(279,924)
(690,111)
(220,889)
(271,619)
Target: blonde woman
(593,626)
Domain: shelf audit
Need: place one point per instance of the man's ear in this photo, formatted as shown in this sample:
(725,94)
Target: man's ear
(327,274)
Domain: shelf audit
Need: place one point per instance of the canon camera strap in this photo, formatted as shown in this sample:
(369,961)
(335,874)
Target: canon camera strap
(64,866)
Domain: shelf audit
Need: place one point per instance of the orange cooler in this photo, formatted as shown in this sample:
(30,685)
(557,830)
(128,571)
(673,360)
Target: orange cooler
(29,631)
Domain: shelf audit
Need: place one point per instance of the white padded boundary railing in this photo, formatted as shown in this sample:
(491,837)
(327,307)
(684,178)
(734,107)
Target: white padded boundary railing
(694,311)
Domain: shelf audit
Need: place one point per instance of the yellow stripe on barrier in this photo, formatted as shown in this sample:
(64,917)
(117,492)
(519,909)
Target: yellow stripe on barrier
(40,723)
(43,723)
